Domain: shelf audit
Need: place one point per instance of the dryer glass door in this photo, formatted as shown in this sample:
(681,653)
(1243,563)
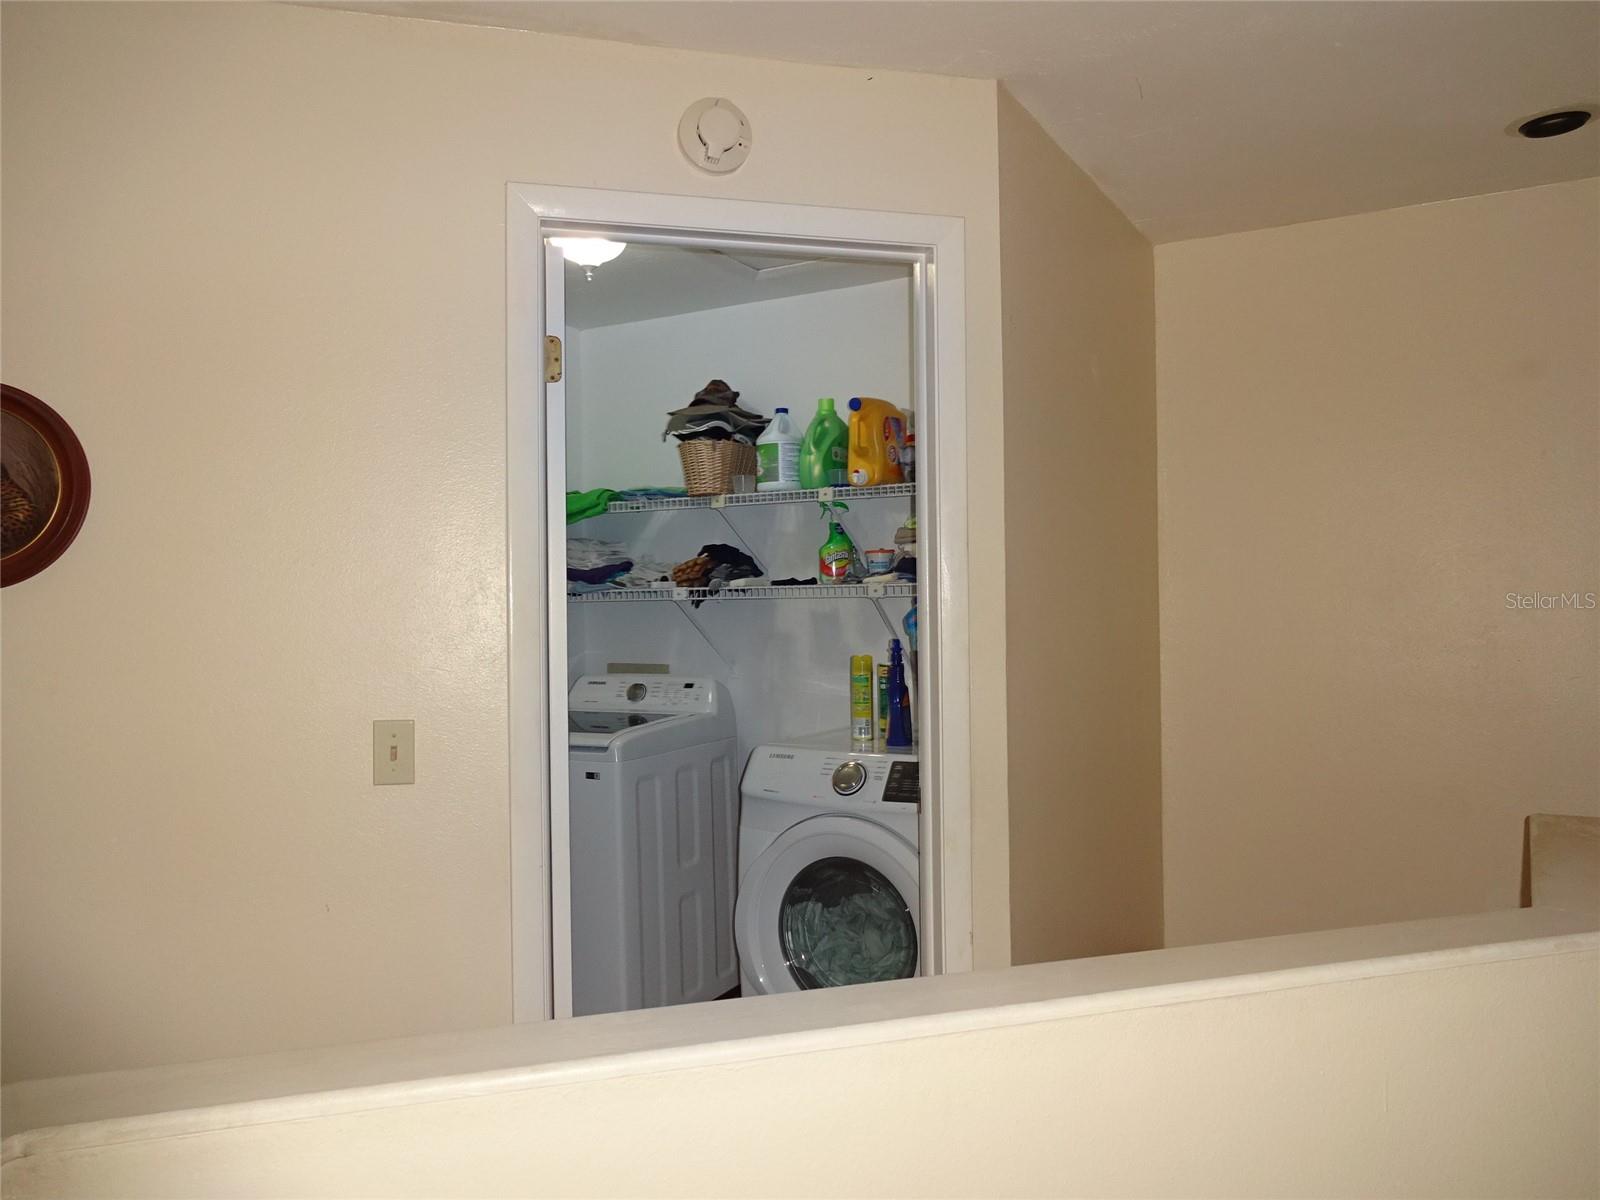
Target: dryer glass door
(842,922)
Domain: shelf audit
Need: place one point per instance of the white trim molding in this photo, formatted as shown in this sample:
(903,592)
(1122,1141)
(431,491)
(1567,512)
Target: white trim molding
(933,247)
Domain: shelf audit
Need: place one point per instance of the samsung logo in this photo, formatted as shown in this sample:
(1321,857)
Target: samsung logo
(776,755)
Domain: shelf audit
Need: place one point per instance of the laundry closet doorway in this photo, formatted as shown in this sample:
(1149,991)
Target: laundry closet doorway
(784,305)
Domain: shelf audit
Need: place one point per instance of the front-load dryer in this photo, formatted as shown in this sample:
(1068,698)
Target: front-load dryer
(653,813)
(828,869)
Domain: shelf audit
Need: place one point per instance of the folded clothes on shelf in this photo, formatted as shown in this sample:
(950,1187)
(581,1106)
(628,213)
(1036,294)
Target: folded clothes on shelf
(594,564)
(578,588)
(594,560)
(599,575)
(585,553)
(715,413)
(645,574)
(716,566)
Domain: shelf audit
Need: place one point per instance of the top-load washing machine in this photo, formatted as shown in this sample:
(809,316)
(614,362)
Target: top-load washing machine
(653,813)
(828,868)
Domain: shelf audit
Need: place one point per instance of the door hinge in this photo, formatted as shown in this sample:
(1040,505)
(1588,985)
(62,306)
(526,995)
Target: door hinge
(552,359)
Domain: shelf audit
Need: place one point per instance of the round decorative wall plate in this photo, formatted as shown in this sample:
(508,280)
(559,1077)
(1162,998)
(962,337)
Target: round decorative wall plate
(44,485)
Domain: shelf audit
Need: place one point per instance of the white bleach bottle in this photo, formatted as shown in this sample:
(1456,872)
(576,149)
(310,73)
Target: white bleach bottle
(778,455)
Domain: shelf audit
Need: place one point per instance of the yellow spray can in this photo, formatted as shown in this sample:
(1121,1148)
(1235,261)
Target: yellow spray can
(861,732)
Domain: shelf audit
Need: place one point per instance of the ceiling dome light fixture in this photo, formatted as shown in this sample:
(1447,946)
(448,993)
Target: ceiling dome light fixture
(1554,124)
(588,252)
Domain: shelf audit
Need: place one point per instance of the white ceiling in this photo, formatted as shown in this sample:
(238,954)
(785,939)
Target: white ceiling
(1195,118)
(646,282)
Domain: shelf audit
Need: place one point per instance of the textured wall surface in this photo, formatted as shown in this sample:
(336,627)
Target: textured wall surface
(256,255)
(1084,678)
(1373,429)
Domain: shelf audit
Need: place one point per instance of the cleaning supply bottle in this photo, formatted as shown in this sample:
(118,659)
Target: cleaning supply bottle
(778,455)
(825,449)
(909,624)
(883,701)
(899,736)
(877,436)
(861,734)
(838,553)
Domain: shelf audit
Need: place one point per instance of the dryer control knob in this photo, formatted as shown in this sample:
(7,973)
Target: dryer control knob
(849,777)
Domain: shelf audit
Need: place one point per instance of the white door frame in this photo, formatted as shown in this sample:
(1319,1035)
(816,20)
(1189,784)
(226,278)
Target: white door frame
(535,472)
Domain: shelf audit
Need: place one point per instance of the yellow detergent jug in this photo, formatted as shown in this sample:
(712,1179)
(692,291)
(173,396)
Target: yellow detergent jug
(877,438)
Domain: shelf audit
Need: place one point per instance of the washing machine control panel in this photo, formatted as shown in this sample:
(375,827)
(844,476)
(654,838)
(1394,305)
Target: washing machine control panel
(904,784)
(669,694)
(834,779)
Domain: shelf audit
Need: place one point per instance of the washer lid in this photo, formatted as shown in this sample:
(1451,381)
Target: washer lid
(612,722)
(832,901)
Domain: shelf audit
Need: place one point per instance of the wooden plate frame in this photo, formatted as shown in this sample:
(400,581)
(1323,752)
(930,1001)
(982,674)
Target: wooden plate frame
(72,503)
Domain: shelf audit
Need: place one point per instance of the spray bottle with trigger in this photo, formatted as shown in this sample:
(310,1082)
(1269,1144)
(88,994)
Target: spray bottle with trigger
(899,734)
(836,557)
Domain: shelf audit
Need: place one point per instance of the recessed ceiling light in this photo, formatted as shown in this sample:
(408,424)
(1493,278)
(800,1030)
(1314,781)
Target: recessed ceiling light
(1555,124)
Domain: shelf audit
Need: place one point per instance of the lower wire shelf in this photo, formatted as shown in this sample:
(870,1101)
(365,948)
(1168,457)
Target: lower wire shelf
(817,591)
(687,600)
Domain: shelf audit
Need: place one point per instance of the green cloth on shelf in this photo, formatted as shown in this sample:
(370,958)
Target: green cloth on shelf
(582,505)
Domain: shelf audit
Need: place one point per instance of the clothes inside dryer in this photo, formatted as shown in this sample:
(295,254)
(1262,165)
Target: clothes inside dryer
(842,921)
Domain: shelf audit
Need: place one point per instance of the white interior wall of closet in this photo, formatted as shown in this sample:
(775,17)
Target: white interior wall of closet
(623,379)
(786,662)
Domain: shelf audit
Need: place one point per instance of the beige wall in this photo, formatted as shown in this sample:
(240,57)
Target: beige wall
(1371,430)
(256,255)
(1465,1080)
(1077,290)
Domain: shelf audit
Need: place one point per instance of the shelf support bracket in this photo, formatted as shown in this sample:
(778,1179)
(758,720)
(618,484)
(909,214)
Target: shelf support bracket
(738,538)
(884,617)
(687,609)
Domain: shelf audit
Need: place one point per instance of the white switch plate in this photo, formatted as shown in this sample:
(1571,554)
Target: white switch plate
(394,752)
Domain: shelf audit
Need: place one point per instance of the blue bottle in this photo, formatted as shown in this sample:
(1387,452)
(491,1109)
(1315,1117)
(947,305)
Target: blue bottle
(899,737)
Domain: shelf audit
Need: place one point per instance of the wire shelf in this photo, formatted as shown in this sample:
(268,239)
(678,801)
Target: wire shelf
(739,499)
(817,591)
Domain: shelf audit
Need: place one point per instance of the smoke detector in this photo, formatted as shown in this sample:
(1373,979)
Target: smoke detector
(714,135)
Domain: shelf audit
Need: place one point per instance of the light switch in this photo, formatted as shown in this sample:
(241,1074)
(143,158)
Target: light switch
(394,752)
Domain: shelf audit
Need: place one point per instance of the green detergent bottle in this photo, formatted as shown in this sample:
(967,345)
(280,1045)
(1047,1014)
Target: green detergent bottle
(825,448)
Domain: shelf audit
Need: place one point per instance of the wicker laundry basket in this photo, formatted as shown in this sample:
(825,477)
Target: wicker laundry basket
(709,465)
